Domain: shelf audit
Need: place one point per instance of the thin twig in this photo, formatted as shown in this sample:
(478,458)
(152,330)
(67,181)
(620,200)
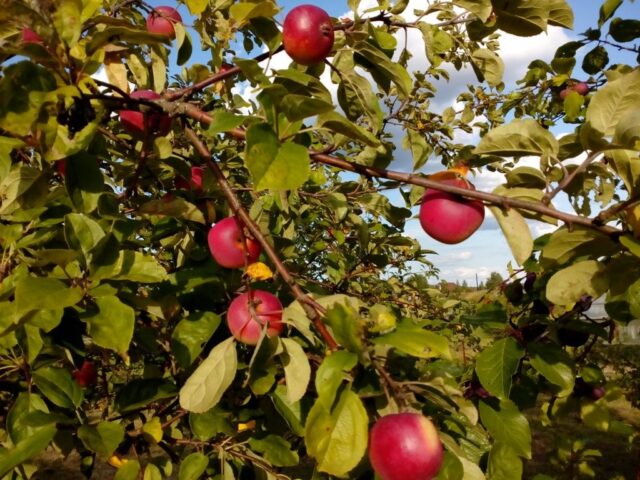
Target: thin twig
(569,178)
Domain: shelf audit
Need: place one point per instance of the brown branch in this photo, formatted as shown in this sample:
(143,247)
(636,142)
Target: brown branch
(312,308)
(177,94)
(569,178)
(409,178)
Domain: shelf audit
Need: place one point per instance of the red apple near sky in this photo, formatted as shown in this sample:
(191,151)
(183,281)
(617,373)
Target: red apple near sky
(225,244)
(581,88)
(307,34)
(134,122)
(30,36)
(247,328)
(405,446)
(450,218)
(87,375)
(195,183)
(161,21)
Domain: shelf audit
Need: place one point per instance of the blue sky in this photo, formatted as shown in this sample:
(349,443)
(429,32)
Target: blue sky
(486,250)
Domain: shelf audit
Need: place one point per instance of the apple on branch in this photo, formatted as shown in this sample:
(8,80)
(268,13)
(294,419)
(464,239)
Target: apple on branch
(162,19)
(450,218)
(226,244)
(137,123)
(405,446)
(307,34)
(245,325)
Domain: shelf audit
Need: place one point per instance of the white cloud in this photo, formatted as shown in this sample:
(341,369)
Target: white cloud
(464,255)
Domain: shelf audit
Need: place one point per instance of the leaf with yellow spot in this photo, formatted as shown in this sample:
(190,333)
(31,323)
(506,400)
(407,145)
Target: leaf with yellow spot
(259,271)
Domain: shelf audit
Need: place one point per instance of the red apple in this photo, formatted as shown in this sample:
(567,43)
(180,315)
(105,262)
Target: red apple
(449,218)
(87,375)
(30,36)
(581,88)
(244,326)
(225,244)
(134,121)
(195,183)
(161,21)
(61,167)
(405,446)
(307,34)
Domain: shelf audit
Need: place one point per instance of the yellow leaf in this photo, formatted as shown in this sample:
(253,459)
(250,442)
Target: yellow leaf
(153,429)
(259,271)
(250,425)
(116,462)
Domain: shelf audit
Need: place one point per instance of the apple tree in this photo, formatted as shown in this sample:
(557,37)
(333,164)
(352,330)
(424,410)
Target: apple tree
(199,284)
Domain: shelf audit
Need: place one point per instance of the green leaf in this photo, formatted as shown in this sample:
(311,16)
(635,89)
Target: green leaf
(481,8)
(128,471)
(333,370)
(337,438)
(521,17)
(497,364)
(224,121)
(274,166)
(130,266)
(141,392)
(185,47)
(125,34)
(102,439)
(415,341)
(27,448)
(506,424)
(58,386)
(297,370)
(613,102)
(176,207)
(420,149)
(554,364)
(242,12)
(624,30)
(43,293)
(516,231)
(338,124)
(504,463)
(346,326)
(560,13)
(376,61)
(196,7)
(21,189)
(277,451)
(627,132)
(82,233)
(112,325)
(567,286)
(299,107)
(572,104)
(204,388)
(596,415)
(151,472)
(84,182)
(527,177)
(566,244)
(518,138)
(193,466)
(607,10)
(437,42)
(292,413)
(67,21)
(595,60)
(191,334)
(210,423)
(489,65)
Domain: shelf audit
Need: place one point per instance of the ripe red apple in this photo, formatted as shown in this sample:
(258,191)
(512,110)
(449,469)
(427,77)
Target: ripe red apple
(307,34)
(581,88)
(195,183)
(244,326)
(225,244)
(449,218)
(30,36)
(161,21)
(134,121)
(405,446)
(87,375)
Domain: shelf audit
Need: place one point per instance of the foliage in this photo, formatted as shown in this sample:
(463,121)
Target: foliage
(105,259)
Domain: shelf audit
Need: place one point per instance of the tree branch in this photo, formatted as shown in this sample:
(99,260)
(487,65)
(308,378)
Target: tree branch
(569,178)
(313,309)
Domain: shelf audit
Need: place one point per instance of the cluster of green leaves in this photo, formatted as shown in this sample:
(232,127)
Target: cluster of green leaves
(105,260)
